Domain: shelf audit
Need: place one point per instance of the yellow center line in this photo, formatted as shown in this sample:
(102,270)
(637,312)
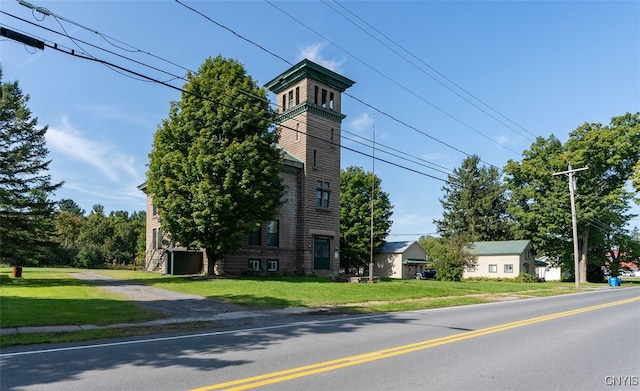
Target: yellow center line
(326,366)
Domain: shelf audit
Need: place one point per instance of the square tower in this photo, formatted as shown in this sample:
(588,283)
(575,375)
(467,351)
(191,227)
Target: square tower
(309,103)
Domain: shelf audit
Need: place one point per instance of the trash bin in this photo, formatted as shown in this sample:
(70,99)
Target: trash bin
(614,281)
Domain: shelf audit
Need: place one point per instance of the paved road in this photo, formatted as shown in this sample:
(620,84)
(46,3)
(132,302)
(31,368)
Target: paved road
(585,341)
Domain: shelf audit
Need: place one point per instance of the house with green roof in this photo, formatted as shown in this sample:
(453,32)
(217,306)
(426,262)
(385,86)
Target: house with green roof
(501,259)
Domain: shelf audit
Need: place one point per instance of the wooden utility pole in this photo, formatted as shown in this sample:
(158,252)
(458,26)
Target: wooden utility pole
(574,220)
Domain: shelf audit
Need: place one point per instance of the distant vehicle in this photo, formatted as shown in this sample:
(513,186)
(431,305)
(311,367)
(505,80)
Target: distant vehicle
(425,274)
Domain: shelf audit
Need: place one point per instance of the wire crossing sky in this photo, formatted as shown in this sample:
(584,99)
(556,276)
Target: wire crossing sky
(443,80)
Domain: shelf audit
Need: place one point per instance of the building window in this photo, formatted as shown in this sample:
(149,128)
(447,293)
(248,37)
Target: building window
(290,98)
(284,102)
(254,236)
(254,264)
(493,268)
(297,132)
(331,135)
(297,95)
(154,210)
(508,268)
(315,157)
(322,194)
(527,254)
(156,238)
(315,94)
(272,265)
(273,236)
(324,98)
(331,100)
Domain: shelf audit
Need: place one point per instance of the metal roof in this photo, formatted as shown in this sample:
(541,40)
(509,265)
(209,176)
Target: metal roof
(502,247)
(395,247)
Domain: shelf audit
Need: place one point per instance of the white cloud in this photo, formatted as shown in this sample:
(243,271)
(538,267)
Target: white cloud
(313,52)
(101,154)
(362,124)
(502,140)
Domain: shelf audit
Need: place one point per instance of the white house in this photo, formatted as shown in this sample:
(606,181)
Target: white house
(400,260)
(501,259)
(547,271)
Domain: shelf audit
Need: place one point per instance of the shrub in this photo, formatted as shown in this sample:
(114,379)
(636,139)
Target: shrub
(525,277)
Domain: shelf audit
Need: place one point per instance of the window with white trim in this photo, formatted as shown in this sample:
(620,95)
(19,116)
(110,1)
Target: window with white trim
(272,265)
(254,264)
(493,268)
(508,268)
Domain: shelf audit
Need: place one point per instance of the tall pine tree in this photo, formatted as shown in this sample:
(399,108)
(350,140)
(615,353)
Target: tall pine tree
(26,213)
(474,203)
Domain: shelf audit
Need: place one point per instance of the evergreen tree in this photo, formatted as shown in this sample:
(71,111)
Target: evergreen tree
(355,216)
(474,204)
(214,170)
(26,213)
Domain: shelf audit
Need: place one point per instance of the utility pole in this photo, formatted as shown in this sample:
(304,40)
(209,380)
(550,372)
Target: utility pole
(574,220)
(373,197)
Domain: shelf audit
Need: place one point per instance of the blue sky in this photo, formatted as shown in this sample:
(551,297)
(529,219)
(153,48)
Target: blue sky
(438,80)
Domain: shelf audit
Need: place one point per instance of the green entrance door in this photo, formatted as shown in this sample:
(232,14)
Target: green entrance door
(321,260)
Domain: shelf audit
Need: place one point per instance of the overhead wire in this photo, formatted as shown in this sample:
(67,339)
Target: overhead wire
(65,34)
(431,68)
(344,93)
(368,65)
(151,79)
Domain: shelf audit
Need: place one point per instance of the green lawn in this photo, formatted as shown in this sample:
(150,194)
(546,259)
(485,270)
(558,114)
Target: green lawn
(46,297)
(314,292)
(52,296)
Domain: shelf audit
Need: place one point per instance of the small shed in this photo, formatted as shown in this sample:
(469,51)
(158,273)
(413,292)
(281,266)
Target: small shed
(400,259)
(547,270)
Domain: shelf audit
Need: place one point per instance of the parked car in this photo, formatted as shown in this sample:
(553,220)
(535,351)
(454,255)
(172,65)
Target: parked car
(425,274)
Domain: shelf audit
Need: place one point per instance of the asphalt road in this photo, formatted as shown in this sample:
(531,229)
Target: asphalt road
(585,341)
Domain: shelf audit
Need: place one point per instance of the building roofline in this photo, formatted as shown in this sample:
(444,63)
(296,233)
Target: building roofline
(307,69)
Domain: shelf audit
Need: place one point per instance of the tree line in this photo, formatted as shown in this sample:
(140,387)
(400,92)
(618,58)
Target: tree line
(97,240)
(35,230)
(530,199)
(214,174)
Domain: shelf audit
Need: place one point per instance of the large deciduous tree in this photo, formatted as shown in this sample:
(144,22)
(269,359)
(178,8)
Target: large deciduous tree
(474,204)
(214,166)
(449,256)
(26,213)
(541,200)
(358,189)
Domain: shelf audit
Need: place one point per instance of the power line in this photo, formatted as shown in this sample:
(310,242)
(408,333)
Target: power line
(105,36)
(149,78)
(393,81)
(145,78)
(432,69)
(346,94)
